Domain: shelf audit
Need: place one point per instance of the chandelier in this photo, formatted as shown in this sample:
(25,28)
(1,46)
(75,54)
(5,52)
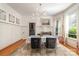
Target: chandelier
(41,11)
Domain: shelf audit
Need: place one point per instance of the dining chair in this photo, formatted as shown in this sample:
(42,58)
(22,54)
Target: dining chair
(35,42)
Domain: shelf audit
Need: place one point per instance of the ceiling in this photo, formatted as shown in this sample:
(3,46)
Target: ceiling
(44,8)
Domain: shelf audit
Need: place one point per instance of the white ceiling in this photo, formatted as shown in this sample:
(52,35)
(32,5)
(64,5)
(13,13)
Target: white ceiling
(31,8)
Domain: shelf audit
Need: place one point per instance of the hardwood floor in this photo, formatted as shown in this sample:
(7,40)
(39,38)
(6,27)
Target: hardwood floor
(61,41)
(59,51)
(71,48)
(21,48)
(8,50)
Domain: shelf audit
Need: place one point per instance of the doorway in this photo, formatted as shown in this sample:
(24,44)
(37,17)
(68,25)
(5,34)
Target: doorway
(56,31)
(31,29)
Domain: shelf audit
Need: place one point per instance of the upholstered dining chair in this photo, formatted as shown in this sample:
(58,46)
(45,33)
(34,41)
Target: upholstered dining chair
(50,42)
(35,42)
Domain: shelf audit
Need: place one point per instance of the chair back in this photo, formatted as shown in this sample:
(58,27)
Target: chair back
(35,42)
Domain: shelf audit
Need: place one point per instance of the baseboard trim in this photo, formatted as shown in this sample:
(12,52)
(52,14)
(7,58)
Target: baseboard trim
(11,48)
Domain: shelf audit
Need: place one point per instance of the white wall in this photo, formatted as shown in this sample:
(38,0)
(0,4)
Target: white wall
(25,27)
(72,42)
(10,33)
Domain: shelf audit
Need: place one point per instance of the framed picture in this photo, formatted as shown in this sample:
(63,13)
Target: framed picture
(11,18)
(2,15)
(17,21)
(46,22)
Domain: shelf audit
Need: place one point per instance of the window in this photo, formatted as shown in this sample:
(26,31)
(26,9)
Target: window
(72,26)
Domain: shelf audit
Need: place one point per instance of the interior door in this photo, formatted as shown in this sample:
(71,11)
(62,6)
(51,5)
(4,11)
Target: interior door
(31,29)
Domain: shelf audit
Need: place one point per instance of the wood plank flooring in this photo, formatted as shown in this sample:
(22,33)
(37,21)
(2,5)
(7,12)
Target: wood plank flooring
(59,51)
(8,50)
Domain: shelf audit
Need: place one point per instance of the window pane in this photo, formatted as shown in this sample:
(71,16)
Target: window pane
(72,26)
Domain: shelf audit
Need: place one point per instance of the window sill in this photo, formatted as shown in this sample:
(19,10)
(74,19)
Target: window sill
(72,38)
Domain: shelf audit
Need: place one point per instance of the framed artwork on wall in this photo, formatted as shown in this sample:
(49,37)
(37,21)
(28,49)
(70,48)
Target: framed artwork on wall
(45,21)
(2,15)
(11,18)
(17,21)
